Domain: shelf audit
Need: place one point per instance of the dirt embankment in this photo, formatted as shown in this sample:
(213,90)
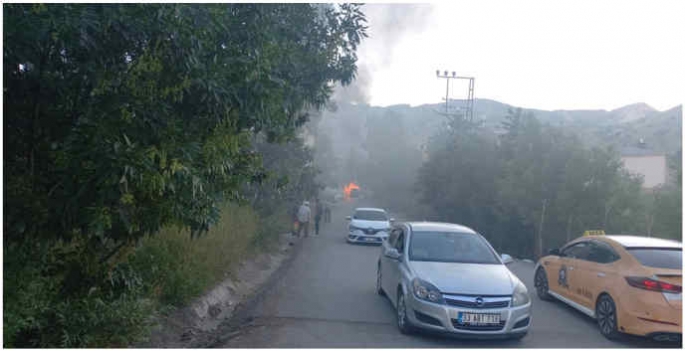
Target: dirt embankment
(203,322)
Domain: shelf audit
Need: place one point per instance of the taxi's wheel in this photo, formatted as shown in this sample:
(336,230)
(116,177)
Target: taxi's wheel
(541,285)
(379,288)
(403,323)
(606,317)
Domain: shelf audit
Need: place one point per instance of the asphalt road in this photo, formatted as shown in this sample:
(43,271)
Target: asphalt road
(327,299)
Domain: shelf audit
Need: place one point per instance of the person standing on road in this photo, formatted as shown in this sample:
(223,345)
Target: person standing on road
(318,214)
(303,216)
(327,213)
(296,221)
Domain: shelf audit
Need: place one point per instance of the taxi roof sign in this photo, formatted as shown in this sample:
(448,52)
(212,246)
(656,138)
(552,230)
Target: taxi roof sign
(593,232)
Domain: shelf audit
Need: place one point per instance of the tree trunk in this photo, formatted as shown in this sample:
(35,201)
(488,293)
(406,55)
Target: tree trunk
(542,222)
(607,209)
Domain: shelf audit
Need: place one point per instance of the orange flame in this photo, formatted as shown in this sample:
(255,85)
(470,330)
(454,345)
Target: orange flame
(348,190)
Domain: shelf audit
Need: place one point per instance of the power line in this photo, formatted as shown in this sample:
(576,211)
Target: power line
(469,100)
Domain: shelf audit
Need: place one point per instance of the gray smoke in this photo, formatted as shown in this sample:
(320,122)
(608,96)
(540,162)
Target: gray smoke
(341,134)
(388,23)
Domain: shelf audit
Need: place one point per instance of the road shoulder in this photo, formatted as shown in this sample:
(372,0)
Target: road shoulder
(209,319)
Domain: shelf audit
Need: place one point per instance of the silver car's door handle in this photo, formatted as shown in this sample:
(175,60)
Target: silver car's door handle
(601,274)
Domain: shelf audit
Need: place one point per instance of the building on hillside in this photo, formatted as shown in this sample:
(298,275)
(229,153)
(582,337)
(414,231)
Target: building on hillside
(651,165)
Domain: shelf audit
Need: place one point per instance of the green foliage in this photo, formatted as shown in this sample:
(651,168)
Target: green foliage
(122,120)
(392,164)
(126,130)
(292,176)
(500,185)
(668,209)
(38,313)
(168,269)
(176,268)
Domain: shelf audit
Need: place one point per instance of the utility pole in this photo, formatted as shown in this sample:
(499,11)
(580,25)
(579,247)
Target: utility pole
(542,222)
(469,101)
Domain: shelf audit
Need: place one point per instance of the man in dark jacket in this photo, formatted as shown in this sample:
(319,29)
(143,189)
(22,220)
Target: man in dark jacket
(327,213)
(318,214)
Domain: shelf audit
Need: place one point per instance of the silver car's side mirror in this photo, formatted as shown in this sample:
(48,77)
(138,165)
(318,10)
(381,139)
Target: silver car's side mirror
(349,218)
(392,219)
(506,259)
(393,254)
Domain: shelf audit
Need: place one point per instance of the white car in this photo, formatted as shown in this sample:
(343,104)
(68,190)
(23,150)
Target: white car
(368,225)
(447,278)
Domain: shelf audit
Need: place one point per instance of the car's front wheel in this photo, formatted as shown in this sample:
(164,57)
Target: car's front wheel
(605,313)
(542,285)
(403,323)
(379,287)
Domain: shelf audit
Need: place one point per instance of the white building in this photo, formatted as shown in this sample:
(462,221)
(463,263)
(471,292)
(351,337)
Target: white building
(649,164)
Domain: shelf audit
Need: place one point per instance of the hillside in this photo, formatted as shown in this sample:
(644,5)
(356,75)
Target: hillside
(620,127)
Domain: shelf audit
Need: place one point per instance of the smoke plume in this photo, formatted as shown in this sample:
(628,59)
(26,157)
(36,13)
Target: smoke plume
(388,24)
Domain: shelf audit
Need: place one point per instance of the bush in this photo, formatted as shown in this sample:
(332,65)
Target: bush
(270,228)
(176,268)
(37,315)
(168,269)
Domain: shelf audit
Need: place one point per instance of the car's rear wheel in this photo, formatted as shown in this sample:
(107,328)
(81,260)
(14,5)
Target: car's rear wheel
(542,285)
(607,321)
(403,323)
(379,288)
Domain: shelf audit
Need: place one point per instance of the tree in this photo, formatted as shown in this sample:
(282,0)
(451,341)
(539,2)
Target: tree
(457,180)
(668,213)
(121,119)
(392,164)
(537,189)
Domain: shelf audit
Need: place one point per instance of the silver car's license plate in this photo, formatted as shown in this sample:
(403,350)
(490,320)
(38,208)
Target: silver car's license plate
(478,318)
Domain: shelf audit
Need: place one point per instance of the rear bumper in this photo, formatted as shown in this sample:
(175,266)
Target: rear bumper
(648,313)
(666,337)
(648,327)
(359,237)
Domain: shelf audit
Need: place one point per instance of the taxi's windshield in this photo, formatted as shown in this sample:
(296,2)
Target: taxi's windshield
(450,247)
(659,257)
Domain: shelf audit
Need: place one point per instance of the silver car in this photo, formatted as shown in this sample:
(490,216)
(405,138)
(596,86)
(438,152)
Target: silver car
(446,277)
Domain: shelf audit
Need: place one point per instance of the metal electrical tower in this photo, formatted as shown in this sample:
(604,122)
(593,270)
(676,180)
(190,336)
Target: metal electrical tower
(469,100)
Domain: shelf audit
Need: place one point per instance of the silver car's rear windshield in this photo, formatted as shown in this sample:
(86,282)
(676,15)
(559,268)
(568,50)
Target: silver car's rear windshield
(450,247)
(370,215)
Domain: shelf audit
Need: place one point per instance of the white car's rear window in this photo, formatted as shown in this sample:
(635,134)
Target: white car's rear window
(366,215)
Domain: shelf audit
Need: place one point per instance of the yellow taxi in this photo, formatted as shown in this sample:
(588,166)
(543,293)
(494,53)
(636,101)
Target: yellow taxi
(629,284)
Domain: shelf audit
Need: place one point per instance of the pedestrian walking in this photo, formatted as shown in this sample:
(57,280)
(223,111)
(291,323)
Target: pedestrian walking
(296,223)
(303,216)
(327,213)
(318,214)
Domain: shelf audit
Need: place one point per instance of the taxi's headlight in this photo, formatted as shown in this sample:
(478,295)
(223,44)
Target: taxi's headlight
(426,291)
(521,296)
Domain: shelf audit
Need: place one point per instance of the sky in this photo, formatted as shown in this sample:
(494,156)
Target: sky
(535,54)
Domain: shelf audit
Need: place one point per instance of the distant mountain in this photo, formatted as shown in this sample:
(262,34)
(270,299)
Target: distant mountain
(661,130)
(634,112)
(622,127)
